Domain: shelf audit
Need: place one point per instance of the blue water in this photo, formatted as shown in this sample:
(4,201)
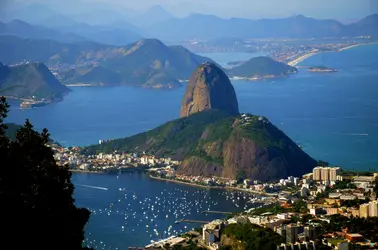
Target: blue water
(136,209)
(222,58)
(333,116)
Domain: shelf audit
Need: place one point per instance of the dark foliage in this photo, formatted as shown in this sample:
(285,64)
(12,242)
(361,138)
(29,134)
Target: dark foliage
(36,194)
(253,237)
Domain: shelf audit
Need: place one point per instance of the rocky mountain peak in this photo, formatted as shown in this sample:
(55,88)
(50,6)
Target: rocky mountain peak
(209,88)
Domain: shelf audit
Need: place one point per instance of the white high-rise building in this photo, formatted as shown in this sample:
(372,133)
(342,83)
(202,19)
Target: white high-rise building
(333,173)
(325,174)
(373,208)
(316,173)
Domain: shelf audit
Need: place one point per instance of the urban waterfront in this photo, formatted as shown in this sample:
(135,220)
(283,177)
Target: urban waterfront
(332,116)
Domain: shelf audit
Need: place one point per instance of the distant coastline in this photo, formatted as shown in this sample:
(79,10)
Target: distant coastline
(80,85)
(312,53)
(86,171)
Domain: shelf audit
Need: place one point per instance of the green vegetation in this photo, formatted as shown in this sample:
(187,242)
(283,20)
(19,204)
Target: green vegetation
(344,184)
(365,226)
(28,80)
(210,140)
(262,66)
(252,237)
(147,63)
(323,163)
(190,246)
(36,193)
(176,139)
(273,210)
(298,206)
(11,130)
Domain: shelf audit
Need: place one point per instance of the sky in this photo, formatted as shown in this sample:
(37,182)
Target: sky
(254,9)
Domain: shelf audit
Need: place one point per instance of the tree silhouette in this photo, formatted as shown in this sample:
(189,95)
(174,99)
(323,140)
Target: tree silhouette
(37,209)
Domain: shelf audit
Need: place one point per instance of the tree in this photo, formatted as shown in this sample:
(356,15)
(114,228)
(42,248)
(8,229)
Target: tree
(323,163)
(36,194)
(241,175)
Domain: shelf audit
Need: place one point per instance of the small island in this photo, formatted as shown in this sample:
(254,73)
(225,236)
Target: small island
(261,67)
(321,69)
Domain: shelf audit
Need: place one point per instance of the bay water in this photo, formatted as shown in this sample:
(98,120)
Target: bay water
(334,116)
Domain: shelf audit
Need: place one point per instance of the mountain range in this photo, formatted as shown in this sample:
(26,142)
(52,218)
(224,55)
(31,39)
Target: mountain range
(212,27)
(114,27)
(146,63)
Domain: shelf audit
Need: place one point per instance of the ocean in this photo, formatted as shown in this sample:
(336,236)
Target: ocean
(334,116)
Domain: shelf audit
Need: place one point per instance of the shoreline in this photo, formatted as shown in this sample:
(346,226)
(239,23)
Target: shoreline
(85,171)
(357,45)
(211,187)
(80,85)
(310,54)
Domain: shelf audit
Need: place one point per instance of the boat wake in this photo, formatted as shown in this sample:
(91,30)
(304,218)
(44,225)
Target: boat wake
(94,187)
(351,134)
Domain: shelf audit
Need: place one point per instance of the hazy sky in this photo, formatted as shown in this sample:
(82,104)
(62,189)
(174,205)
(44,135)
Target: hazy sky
(338,9)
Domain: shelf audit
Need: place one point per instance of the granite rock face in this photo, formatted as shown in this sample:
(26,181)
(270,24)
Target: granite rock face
(209,88)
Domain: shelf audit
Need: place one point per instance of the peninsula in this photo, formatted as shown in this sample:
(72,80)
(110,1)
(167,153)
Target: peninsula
(32,83)
(213,139)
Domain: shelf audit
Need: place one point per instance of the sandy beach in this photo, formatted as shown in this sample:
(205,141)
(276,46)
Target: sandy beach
(301,58)
(356,45)
(305,56)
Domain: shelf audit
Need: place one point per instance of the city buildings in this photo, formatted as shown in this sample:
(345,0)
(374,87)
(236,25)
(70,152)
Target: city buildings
(373,208)
(292,231)
(326,173)
(211,232)
(364,210)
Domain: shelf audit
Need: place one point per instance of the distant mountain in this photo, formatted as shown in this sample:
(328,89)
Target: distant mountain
(24,30)
(31,13)
(212,27)
(146,63)
(32,80)
(262,67)
(99,17)
(14,49)
(365,27)
(116,37)
(57,21)
(155,14)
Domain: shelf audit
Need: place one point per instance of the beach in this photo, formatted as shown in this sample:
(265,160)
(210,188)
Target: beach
(312,53)
(356,45)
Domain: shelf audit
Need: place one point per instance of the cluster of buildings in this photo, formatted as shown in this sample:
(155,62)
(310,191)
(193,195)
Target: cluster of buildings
(108,162)
(326,175)
(324,192)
